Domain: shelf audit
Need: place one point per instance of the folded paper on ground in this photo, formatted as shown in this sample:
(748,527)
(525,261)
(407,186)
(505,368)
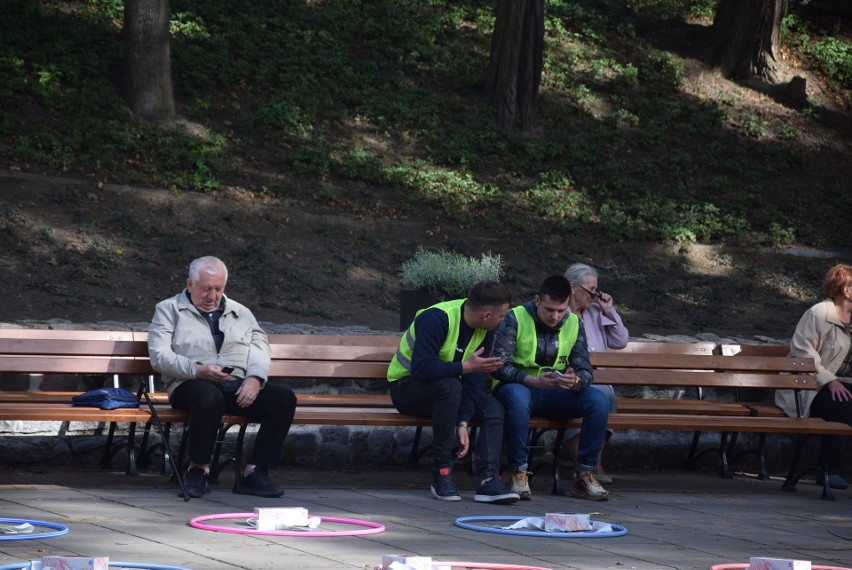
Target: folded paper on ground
(566,522)
(409,562)
(71,563)
(540,523)
(283,518)
(758,563)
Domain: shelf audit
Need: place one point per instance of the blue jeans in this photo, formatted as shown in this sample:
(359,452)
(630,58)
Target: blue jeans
(439,400)
(557,404)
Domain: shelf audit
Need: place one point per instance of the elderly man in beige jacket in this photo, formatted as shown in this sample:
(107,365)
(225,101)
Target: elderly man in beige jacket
(214,358)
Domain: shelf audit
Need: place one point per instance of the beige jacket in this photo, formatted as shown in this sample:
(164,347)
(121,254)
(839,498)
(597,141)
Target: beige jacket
(179,336)
(819,335)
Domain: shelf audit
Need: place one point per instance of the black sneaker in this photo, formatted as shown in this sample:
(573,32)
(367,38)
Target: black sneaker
(443,486)
(195,483)
(493,491)
(257,483)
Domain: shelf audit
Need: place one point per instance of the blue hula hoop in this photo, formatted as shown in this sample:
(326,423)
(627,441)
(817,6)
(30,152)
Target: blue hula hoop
(58,530)
(464,522)
(144,566)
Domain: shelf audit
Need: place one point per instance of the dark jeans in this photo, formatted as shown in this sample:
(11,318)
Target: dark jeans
(206,403)
(831,448)
(439,399)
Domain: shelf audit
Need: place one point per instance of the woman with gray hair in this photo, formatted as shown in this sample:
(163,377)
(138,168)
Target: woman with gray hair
(604,331)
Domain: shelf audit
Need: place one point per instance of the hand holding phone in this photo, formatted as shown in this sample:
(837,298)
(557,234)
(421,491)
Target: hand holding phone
(228,369)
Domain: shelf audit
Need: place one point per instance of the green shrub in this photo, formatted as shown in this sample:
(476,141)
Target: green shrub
(449,272)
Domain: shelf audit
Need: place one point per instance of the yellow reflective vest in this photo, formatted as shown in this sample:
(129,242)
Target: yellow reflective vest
(526,342)
(400,365)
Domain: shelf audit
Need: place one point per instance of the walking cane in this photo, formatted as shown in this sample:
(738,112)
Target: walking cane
(143,391)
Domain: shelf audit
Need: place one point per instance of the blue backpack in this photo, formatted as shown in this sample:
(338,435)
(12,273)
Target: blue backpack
(107,399)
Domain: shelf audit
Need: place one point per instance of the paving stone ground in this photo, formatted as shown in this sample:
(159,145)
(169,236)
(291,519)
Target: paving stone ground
(675,519)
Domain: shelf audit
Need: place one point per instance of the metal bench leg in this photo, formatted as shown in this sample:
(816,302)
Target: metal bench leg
(144,452)
(724,468)
(557,446)
(215,468)
(168,460)
(106,458)
(132,468)
(184,439)
(691,459)
(763,473)
(238,454)
(792,477)
(414,456)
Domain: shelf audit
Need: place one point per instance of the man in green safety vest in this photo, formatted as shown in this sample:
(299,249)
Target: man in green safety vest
(439,371)
(546,372)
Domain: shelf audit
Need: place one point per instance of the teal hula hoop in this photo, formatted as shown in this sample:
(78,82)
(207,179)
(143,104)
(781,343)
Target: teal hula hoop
(465,522)
(58,530)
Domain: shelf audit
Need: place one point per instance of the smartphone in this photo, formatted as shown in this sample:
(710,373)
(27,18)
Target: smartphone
(228,369)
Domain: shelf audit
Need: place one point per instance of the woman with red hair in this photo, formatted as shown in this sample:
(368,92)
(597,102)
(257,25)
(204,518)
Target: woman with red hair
(824,334)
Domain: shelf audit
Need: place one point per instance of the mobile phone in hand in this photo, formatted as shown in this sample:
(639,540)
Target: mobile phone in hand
(228,369)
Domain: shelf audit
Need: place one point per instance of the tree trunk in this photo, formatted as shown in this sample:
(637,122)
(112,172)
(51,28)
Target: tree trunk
(746,35)
(148,70)
(514,70)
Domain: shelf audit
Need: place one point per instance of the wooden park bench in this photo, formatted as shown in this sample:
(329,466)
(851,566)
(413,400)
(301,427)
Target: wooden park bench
(351,372)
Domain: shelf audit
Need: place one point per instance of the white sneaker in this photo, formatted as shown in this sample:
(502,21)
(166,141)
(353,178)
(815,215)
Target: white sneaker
(588,487)
(521,484)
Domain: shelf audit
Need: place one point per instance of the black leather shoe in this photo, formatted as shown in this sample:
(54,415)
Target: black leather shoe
(257,483)
(195,483)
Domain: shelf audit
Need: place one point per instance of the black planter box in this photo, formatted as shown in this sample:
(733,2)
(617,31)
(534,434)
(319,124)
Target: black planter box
(412,300)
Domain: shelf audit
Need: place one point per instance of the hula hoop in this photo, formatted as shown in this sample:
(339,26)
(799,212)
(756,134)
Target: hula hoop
(464,522)
(58,530)
(487,566)
(143,565)
(370,527)
(745,567)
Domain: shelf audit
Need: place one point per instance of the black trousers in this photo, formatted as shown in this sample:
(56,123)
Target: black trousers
(831,447)
(439,399)
(273,408)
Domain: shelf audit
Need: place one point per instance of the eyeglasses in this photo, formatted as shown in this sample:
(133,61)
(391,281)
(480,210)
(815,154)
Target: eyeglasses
(592,294)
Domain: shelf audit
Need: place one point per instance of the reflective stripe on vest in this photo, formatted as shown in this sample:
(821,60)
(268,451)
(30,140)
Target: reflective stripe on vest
(400,365)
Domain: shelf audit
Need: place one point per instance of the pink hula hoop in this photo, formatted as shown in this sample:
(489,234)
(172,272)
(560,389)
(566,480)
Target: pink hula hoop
(487,566)
(369,527)
(745,567)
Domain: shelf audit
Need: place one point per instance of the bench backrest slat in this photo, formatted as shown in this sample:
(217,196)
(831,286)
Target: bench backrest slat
(31,364)
(651,347)
(68,347)
(681,378)
(62,334)
(694,362)
(754,350)
(319,352)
